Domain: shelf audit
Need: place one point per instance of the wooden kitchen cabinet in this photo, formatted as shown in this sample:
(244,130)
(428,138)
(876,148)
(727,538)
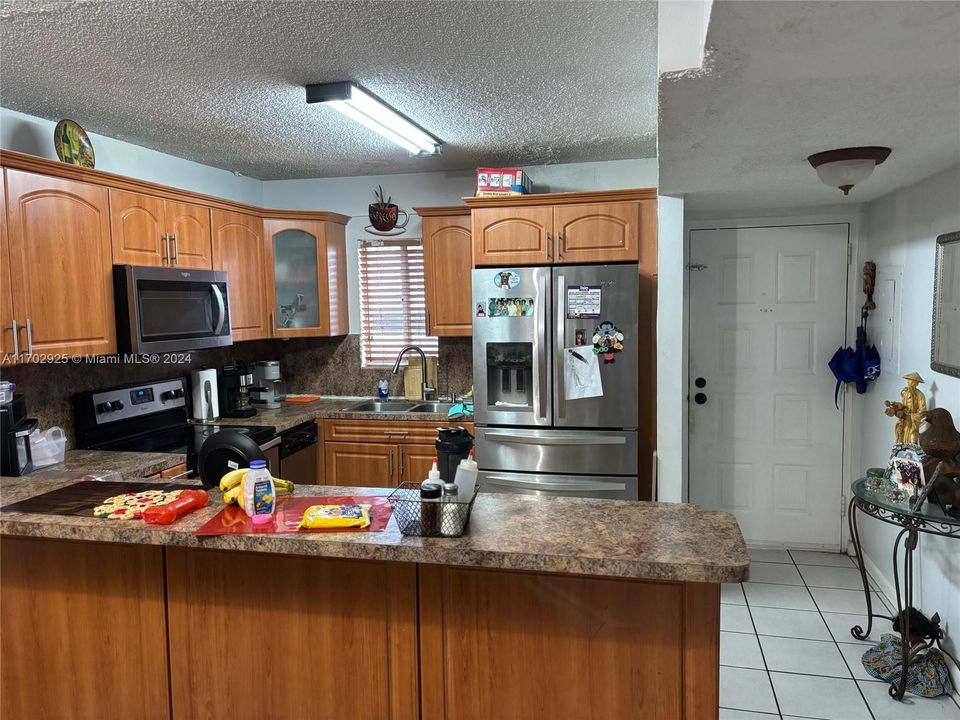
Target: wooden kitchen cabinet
(60,265)
(381,453)
(447,263)
(306,276)
(149,230)
(563,228)
(9,342)
(512,235)
(84,630)
(601,232)
(238,249)
(415,461)
(361,464)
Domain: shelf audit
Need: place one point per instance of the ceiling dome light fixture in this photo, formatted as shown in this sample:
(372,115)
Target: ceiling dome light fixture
(846,167)
(367,109)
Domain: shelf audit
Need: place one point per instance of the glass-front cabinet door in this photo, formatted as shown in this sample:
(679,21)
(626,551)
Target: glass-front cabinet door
(299,295)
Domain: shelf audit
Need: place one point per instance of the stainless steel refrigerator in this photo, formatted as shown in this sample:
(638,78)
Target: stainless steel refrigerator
(557,413)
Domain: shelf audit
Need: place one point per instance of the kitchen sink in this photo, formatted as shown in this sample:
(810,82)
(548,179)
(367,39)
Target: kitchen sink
(382,406)
(432,407)
(398,406)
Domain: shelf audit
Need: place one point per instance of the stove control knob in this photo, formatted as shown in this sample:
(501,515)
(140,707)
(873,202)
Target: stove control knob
(105,407)
(118,404)
(171,394)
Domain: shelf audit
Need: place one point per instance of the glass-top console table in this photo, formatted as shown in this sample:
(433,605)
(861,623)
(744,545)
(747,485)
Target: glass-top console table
(878,498)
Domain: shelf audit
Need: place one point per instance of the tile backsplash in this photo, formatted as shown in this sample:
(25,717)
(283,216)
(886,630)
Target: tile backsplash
(326,366)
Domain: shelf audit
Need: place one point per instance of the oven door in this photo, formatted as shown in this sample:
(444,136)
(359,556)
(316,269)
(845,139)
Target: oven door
(170,309)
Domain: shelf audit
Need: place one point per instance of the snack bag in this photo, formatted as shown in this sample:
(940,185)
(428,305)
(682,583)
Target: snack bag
(335,516)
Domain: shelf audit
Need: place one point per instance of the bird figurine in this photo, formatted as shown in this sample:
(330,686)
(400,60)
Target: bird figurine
(940,442)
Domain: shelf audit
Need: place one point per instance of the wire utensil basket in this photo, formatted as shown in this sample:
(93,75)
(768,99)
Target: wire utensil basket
(429,518)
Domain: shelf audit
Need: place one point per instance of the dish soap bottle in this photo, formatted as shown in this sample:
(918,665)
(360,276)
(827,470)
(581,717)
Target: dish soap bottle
(383,390)
(259,493)
(466,478)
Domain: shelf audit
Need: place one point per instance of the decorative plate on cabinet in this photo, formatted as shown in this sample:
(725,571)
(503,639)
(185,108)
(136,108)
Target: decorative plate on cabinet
(72,144)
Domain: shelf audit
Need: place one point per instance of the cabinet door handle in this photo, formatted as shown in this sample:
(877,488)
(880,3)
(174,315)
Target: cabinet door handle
(390,466)
(176,249)
(400,464)
(402,433)
(560,246)
(428,321)
(16,339)
(273,325)
(166,249)
(549,246)
(29,337)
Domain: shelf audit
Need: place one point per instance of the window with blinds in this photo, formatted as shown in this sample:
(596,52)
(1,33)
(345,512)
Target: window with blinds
(393,304)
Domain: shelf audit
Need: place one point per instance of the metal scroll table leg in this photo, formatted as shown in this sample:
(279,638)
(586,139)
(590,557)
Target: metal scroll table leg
(857,631)
(904,603)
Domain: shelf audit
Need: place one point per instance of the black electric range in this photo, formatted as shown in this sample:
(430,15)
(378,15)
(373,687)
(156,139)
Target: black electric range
(148,417)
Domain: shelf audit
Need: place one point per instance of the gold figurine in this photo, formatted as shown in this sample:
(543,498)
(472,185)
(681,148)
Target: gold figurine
(913,403)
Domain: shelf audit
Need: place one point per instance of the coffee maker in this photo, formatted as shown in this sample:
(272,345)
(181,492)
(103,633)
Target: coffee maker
(15,429)
(267,391)
(235,383)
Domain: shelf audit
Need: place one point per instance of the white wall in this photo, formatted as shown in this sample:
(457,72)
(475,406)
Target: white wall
(899,233)
(34,135)
(681,33)
(671,352)
(352,195)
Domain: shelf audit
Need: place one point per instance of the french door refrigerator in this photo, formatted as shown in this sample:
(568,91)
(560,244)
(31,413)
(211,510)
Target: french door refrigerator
(553,416)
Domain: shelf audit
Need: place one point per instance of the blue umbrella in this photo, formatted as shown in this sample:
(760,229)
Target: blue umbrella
(859,365)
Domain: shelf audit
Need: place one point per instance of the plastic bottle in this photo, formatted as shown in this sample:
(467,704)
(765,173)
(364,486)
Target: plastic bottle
(383,390)
(259,493)
(466,478)
(433,475)
(451,518)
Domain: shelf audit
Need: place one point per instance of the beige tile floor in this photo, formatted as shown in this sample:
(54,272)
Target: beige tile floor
(786,649)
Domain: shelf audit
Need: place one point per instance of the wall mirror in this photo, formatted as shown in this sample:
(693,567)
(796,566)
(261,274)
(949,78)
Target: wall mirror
(945,344)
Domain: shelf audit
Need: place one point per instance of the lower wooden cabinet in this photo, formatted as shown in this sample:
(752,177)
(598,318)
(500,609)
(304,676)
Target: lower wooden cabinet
(380,453)
(84,632)
(360,464)
(272,636)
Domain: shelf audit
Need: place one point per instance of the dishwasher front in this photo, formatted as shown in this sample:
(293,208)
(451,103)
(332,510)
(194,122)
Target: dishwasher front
(298,454)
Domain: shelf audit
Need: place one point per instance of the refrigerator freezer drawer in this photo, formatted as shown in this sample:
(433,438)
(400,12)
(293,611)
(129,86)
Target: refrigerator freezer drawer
(590,486)
(607,452)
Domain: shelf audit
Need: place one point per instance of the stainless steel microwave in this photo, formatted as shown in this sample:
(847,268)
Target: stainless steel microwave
(163,309)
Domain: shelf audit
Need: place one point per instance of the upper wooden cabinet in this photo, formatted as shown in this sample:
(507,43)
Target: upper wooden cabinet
(563,228)
(60,265)
(512,235)
(238,249)
(148,230)
(9,342)
(306,277)
(447,261)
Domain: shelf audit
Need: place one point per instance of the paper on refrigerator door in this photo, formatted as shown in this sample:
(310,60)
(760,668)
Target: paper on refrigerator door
(581,373)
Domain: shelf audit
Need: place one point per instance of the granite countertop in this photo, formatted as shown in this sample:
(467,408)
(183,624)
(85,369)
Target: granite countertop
(605,538)
(138,464)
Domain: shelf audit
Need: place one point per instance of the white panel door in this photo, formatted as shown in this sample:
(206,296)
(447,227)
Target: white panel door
(767,312)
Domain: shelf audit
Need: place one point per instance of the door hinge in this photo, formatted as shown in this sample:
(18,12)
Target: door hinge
(697,266)
(849,253)
(843,505)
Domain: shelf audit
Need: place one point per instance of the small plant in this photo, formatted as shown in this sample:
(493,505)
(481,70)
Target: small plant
(378,194)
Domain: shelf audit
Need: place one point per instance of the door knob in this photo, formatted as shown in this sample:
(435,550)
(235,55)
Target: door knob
(700,398)
(700,382)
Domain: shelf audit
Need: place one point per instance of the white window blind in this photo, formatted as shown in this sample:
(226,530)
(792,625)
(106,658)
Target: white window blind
(392,301)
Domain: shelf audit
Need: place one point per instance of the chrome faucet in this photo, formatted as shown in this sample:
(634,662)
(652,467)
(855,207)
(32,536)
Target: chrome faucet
(424,388)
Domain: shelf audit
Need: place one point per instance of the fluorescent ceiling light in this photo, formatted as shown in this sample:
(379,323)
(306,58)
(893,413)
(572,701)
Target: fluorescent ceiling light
(369,110)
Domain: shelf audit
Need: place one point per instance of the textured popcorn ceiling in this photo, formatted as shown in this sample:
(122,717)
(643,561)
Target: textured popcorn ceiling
(222,82)
(784,80)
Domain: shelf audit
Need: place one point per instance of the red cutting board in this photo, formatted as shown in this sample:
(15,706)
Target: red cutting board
(232,520)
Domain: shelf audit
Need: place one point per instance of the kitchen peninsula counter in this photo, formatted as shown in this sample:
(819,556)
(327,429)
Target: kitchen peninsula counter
(547,608)
(605,538)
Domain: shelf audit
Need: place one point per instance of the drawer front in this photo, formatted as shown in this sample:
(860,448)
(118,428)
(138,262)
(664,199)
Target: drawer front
(609,487)
(419,432)
(579,452)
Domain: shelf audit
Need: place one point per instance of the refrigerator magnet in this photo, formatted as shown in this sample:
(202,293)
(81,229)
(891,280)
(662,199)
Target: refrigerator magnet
(583,302)
(607,340)
(506,279)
